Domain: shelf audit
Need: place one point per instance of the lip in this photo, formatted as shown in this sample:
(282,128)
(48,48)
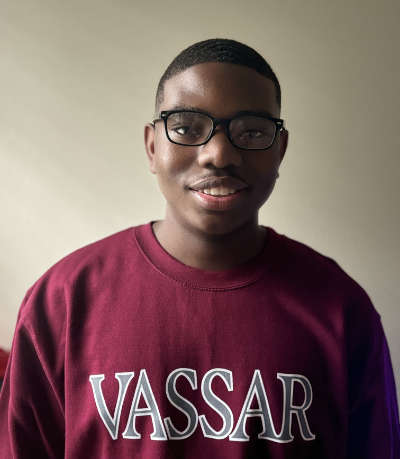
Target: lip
(218,203)
(215,182)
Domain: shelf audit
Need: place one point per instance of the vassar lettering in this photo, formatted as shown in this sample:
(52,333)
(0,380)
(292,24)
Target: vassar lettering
(237,433)
(143,388)
(181,404)
(111,423)
(216,403)
(263,411)
(288,381)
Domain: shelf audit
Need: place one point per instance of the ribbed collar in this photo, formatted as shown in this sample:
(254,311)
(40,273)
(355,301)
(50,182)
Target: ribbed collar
(242,275)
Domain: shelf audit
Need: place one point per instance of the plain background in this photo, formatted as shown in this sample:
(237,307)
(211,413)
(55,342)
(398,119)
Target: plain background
(77,85)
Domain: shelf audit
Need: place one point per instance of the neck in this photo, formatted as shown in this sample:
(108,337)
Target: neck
(211,252)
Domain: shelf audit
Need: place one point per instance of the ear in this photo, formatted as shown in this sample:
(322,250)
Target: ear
(149,134)
(283,142)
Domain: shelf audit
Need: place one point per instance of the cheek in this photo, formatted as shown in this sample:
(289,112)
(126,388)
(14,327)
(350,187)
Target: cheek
(172,166)
(170,159)
(265,168)
(265,172)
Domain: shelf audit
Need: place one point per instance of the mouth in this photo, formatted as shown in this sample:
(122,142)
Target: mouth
(220,200)
(218,185)
(216,192)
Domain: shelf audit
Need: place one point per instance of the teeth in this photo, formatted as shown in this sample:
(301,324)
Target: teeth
(219,191)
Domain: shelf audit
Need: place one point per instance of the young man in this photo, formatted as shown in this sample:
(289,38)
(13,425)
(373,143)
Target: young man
(204,334)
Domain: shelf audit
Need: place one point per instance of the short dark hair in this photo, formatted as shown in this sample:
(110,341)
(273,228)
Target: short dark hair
(217,50)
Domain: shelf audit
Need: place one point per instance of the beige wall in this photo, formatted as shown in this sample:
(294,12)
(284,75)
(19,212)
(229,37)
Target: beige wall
(77,82)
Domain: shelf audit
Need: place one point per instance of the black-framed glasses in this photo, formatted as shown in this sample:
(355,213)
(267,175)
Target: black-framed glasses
(246,130)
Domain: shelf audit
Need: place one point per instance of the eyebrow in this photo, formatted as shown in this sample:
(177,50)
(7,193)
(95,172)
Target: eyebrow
(239,113)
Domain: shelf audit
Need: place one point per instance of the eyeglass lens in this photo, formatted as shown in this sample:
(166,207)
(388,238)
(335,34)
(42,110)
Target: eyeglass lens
(249,131)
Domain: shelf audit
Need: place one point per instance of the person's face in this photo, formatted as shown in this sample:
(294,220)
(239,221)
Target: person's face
(221,90)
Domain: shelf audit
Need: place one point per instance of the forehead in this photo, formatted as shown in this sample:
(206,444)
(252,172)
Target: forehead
(220,89)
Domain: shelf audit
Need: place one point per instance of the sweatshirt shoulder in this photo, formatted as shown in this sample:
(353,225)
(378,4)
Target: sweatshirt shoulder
(95,257)
(94,253)
(89,265)
(300,255)
(320,272)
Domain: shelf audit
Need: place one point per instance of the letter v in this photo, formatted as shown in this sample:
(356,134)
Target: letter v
(112,423)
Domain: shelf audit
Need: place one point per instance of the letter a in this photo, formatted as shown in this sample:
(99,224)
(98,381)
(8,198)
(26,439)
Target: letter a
(143,388)
(268,433)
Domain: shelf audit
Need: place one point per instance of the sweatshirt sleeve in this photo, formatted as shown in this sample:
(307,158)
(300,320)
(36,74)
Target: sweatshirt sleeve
(374,430)
(31,399)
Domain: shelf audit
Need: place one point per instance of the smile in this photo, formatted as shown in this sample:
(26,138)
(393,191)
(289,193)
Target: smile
(219,202)
(218,191)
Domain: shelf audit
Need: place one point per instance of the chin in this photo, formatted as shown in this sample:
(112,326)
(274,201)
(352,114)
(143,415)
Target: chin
(217,225)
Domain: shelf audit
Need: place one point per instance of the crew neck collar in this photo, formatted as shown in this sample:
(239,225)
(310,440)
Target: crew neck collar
(240,276)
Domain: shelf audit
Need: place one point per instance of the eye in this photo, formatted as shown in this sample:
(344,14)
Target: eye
(187,130)
(181,130)
(253,134)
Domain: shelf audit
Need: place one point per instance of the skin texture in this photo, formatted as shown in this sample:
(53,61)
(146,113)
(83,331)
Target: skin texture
(205,239)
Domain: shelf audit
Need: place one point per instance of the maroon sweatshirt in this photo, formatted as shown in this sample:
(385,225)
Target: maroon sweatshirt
(122,351)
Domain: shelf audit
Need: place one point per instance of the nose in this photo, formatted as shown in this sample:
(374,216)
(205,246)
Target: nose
(219,151)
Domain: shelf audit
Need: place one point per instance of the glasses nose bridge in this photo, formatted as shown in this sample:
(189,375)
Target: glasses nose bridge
(224,122)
